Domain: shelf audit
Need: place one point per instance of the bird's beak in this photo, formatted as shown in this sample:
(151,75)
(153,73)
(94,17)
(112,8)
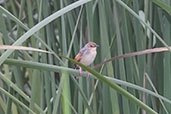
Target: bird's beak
(97,46)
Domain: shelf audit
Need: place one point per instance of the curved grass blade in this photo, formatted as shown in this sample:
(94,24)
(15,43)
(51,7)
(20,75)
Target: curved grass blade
(41,25)
(149,27)
(114,86)
(16,100)
(19,91)
(9,47)
(147,51)
(162,5)
(103,79)
(54,68)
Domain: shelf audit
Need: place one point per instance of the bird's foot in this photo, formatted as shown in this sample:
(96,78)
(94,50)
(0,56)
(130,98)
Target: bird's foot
(80,70)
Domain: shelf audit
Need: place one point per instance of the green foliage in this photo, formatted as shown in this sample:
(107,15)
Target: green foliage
(34,82)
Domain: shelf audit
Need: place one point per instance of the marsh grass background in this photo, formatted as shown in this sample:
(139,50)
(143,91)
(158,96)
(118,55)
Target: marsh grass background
(33,82)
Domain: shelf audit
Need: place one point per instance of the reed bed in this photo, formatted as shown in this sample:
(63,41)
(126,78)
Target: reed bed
(36,82)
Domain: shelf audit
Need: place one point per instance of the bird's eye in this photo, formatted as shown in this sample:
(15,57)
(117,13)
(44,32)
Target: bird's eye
(91,45)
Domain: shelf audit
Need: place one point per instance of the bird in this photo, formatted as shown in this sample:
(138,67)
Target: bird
(86,55)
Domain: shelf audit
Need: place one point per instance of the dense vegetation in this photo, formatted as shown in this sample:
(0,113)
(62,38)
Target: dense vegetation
(36,82)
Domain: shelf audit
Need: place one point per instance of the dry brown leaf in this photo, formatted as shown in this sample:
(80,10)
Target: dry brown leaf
(147,51)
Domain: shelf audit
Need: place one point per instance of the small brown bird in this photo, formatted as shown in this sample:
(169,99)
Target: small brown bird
(86,55)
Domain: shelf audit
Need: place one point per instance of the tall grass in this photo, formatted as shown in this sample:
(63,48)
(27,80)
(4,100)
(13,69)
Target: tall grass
(33,82)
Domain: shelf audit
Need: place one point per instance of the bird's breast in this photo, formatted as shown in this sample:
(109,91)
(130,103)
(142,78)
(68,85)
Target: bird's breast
(88,58)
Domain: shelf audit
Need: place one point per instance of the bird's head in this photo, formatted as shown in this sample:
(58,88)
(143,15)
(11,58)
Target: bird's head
(91,46)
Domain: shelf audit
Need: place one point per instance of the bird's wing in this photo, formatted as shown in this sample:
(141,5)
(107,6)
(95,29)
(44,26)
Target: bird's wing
(80,54)
(78,57)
